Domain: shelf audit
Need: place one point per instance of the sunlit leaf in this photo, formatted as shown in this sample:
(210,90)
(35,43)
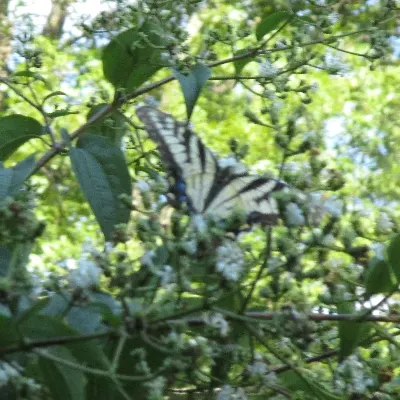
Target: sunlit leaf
(129,60)
(270,23)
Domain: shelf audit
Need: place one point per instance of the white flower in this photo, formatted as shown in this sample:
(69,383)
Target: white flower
(86,275)
(108,247)
(166,274)
(334,206)
(229,393)
(352,376)
(267,69)
(198,223)
(384,223)
(328,240)
(7,371)
(270,379)
(294,215)
(156,388)
(258,368)
(232,163)
(217,321)
(334,64)
(230,261)
(333,17)
(314,87)
(227,162)
(190,246)
(147,258)
(142,186)
(379,250)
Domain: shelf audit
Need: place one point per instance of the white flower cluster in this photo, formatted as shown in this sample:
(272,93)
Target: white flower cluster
(230,260)
(379,250)
(267,70)
(297,172)
(199,224)
(334,64)
(294,215)
(351,377)
(229,393)
(7,372)
(384,224)
(231,162)
(166,274)
(319,205)
(217,321)
(86,275)
(156,388)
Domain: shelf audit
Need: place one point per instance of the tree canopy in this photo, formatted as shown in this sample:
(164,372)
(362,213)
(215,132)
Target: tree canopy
(113,285)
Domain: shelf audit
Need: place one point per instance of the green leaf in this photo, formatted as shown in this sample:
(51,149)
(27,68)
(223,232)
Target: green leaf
(15,130)
(378,277)
(270,23)
(133,56)
(192,84)
(103,176)
(8,333)
(56,93)
(113,127)
(5,257)
(64,382)
(29,311)
(61,113)
(30,74)
(241,63)
(300,381)
(393,252)
(351,333)
(12,179)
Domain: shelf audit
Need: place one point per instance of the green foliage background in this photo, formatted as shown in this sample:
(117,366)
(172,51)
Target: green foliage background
(324,119)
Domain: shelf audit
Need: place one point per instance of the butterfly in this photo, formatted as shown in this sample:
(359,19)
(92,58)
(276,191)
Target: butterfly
(204,182)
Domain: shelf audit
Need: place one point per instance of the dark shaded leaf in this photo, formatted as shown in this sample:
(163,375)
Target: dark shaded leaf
(63,381)
(393,252)
(192,84)
(300,381)
(15,130)
(27,311)
(270,23)
(351,333)
(103,176)
(5,257)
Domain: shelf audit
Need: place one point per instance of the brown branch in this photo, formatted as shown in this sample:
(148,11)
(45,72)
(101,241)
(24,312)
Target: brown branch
(330,317)
(30,345)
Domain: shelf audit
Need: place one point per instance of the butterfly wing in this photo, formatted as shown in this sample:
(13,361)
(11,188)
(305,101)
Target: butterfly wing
(183,154)
(210,188)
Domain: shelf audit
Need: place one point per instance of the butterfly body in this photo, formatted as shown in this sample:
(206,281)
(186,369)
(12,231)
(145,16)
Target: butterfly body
(206,186)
